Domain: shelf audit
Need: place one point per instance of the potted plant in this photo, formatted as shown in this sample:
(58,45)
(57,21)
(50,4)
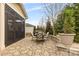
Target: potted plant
(66,38)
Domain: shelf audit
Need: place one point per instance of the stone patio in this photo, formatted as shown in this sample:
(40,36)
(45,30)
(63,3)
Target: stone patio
(27,47)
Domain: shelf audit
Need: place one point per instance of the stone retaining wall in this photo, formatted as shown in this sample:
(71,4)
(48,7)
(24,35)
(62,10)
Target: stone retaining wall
(67,40)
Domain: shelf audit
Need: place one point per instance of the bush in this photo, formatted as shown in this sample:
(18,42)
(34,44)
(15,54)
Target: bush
(76,15)
(76,38)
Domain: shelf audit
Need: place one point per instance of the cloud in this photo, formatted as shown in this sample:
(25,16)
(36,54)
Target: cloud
(30,21)
(34,9)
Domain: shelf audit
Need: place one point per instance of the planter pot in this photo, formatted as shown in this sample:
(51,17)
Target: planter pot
(66,38)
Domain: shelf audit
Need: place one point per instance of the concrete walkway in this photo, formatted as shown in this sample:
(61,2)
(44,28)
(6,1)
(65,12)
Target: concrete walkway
(27,47)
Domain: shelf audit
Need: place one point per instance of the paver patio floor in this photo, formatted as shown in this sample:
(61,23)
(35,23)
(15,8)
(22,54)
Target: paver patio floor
(27,47)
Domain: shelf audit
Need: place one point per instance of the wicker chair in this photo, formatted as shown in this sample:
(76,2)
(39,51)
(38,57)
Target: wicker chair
(46,36)
(34,37)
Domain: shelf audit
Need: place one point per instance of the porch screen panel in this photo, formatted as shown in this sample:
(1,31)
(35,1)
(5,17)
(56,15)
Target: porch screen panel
(15,29)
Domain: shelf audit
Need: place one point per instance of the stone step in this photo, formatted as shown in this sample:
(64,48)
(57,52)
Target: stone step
(74,51)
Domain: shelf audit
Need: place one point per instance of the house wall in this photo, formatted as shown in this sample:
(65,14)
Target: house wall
(29,30)
(2,26)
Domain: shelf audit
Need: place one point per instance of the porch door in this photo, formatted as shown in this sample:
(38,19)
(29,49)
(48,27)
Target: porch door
(9,25)
(14,26)
(10,30)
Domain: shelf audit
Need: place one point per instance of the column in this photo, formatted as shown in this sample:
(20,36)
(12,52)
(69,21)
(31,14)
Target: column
(2,26)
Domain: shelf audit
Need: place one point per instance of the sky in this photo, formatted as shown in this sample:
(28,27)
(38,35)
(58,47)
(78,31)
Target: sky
(35,11)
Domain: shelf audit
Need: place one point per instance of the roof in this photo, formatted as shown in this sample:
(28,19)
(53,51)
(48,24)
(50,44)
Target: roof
(24,11)
(29,25)
(19,8)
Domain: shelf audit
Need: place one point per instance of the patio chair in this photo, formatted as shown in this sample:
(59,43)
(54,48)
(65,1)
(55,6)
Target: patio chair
(34,37)
(46,36)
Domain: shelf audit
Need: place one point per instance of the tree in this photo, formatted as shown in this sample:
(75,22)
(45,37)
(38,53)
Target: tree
(51,11)
(76,14)
(38,27)
(59,24)
(69,20)
(49,27)
(65,21)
